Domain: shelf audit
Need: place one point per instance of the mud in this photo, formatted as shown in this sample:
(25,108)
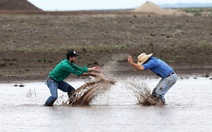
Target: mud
(85,93)
(32,44)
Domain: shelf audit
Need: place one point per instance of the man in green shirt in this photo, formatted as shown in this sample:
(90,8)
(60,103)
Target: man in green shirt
(61,72)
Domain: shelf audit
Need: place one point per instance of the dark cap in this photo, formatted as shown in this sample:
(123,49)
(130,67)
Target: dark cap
(71,53)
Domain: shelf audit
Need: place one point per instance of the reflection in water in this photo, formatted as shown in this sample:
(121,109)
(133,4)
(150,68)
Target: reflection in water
(188,109)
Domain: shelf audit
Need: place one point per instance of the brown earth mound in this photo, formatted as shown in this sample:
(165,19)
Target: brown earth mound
(150,7)
(17,5)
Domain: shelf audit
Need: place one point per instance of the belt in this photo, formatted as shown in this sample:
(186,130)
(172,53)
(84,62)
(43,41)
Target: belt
(50,78)
(171,74)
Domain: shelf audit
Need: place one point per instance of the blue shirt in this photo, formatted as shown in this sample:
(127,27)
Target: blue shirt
(159,67)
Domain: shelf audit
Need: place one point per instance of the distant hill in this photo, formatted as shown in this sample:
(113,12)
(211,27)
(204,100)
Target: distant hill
(17,5)
(150,7)
(186,5)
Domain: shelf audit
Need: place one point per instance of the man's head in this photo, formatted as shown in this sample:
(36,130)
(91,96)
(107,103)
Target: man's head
(71,53)
(143,58)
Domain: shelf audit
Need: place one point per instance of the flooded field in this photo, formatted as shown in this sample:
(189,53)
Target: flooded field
(188,109)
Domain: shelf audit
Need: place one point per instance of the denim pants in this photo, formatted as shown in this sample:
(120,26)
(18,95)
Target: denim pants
(163,86)
(53,86)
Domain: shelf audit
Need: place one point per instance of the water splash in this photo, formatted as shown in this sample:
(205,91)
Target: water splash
(142,92)
(31,93)
(84,94)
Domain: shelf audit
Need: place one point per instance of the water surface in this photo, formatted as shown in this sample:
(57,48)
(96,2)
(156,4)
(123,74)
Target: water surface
(188,109)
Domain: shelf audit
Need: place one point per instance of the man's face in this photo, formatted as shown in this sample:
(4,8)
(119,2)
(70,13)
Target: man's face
(72,59)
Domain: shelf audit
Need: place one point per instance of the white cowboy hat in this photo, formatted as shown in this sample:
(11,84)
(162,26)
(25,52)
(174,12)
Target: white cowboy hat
(143,57)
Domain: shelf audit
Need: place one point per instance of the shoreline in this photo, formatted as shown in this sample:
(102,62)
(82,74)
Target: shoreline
(182,74)
(20,82)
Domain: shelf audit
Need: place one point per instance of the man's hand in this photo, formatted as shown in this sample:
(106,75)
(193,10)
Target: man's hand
(130,59)
(90,74)
(93,74)
(95,68)
(136,66)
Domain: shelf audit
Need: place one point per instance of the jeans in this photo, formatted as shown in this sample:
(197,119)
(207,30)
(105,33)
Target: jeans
(163,86)
(53,86)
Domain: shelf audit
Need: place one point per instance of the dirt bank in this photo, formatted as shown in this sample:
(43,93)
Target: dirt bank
(32,44)
(12,5)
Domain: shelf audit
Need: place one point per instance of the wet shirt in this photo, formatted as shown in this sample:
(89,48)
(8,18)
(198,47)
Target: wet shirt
(63,69)
(159,67)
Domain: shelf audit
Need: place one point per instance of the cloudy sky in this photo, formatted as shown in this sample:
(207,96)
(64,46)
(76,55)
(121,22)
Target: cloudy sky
(62,5)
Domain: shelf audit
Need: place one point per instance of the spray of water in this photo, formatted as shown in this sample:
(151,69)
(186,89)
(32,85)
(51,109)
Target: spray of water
(142,92)
(31,93)
(84,94)
(139,87)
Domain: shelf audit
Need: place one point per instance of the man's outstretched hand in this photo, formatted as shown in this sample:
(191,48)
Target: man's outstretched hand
(96,68)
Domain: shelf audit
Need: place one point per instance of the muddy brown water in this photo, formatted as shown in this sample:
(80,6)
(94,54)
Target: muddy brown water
(188,108)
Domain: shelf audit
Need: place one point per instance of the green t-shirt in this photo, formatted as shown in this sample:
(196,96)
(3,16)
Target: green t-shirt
(64,69)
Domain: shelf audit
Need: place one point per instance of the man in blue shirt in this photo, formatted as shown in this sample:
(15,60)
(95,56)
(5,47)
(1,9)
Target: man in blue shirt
(160,68)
